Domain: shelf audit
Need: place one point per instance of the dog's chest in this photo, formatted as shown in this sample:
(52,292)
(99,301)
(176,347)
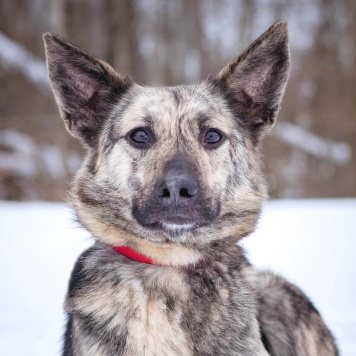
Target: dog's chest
(152,310)
(154,329)
(153,302)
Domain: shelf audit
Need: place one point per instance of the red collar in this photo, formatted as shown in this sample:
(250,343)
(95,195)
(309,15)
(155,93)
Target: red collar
(134,255)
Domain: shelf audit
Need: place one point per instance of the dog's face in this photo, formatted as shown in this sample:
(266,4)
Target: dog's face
(172,164)
(170,158)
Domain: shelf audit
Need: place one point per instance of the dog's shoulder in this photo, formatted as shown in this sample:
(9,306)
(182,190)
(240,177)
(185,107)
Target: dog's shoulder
(290,324)
(76,280)
(79,276)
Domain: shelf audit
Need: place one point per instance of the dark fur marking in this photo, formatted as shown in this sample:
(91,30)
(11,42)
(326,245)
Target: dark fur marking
(266,343)
(92,158)
(176,96)
(78,277)
(92,326)
(110,139)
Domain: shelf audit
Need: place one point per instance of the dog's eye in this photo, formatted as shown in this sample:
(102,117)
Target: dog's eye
(212,139)
(140,138)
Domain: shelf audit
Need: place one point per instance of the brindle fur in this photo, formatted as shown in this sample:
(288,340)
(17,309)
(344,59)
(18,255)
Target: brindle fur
(203,298)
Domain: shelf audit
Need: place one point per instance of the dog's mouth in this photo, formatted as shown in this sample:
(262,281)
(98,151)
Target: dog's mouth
(175,218)
(179,223)
(173,221)
(178,228)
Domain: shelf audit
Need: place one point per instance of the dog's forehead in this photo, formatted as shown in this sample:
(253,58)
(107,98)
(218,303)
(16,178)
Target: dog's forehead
(165,107)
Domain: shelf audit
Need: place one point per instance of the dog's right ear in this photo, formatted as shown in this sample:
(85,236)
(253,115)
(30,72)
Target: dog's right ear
(255,81)
(85,88)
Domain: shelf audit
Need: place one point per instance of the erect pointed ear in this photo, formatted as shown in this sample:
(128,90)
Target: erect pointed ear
(254,82)
(85,88)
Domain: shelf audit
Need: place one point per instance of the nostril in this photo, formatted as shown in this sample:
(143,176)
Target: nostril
(187,193)
(184,193)
(165,193)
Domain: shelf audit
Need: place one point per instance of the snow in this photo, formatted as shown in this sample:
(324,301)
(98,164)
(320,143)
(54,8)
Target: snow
(310,242)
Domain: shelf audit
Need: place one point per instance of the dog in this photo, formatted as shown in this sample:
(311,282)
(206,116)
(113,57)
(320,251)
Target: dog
(171,182)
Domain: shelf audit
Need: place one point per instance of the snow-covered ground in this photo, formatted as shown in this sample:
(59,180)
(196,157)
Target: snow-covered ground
(311,242)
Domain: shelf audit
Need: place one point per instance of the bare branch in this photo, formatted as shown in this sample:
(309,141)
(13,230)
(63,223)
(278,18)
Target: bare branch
(298,137)
(14,56)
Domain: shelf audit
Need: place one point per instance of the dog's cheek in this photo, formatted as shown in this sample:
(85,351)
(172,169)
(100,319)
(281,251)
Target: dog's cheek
(117,170)
(220,170)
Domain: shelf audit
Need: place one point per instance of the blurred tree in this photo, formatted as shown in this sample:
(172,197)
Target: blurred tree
(177,41)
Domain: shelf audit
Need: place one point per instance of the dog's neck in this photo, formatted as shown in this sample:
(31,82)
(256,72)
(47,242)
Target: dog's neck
(165,254)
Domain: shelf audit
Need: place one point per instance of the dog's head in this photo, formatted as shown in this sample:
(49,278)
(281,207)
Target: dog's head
(170,166)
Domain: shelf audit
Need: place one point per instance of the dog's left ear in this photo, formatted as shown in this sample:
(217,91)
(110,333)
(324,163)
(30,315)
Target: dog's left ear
(254,82)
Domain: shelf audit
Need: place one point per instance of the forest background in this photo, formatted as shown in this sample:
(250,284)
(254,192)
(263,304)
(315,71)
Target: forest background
(311,150)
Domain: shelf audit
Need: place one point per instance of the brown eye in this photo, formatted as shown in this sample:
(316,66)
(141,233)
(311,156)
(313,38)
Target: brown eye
(140,138)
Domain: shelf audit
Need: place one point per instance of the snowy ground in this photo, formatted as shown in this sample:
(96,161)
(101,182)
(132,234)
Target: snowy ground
(311,242)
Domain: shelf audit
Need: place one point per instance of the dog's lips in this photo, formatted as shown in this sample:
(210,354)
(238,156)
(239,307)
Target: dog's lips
(178,223)
(178,227)
(174,223)
(177,219)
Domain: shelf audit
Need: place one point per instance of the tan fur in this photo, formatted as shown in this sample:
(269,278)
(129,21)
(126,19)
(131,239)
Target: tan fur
(164,254)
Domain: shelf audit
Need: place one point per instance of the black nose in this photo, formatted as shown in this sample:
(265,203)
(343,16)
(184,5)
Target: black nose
(180,189)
